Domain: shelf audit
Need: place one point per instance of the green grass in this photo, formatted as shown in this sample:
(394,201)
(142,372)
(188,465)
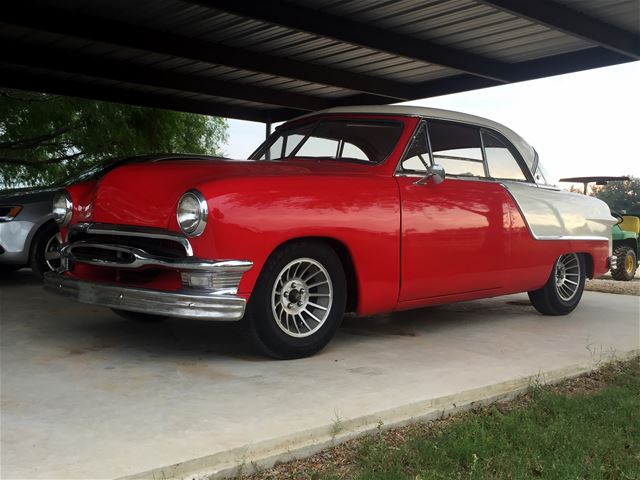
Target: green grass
(552,436)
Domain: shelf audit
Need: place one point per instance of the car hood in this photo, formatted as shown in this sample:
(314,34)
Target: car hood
(25,196)
(147,194)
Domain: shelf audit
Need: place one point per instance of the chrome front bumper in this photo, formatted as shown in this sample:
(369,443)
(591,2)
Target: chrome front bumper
(182,304)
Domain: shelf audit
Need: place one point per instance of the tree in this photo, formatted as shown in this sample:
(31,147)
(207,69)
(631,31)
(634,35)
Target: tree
(46,138)
(622,197)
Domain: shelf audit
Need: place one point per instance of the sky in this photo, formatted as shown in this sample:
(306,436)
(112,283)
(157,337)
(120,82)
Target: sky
(585,123)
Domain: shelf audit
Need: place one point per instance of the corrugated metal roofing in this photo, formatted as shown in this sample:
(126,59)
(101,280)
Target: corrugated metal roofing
(270,61)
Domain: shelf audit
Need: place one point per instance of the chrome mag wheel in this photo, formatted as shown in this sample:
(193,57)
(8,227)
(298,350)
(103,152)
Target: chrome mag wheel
(567,276)
(301,298)
(51,253)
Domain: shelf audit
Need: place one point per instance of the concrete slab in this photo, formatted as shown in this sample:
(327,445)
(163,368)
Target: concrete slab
(85,394)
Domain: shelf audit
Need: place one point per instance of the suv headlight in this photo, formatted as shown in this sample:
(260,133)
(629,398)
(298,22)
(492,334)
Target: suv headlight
(62,208)
(192,213)
(9,212)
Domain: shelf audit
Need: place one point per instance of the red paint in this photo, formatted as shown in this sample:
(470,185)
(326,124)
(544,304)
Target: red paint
(411,245)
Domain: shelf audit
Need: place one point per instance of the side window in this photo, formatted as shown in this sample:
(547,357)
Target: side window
(500,160)
(457,148)
(417,157)
(349,150)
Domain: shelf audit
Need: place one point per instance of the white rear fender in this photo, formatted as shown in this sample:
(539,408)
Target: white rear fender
(553,214)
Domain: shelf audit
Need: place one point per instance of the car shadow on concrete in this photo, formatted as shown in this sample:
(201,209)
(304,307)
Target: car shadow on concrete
(23,276)
(79,329)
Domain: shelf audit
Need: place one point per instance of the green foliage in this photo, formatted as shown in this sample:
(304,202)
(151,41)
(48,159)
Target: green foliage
(45,138)
(622,197)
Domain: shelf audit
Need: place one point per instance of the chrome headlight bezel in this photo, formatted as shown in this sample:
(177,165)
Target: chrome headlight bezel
(192,203)
(62,208)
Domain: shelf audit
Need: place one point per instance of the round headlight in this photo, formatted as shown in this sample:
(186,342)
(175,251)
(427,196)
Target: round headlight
(62,208)
(192,213)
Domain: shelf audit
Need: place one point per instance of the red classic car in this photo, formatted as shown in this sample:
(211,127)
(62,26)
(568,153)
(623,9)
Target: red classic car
(348,209)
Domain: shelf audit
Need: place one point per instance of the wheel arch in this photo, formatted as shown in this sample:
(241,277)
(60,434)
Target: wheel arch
(588,263)
(34,233)
(346,259)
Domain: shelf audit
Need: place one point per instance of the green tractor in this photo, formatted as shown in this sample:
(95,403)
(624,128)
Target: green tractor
(625,234)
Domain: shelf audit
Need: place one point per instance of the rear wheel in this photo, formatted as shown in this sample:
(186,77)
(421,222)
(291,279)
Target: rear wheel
(563,291)
(298,301)
(627,264)
(139,317)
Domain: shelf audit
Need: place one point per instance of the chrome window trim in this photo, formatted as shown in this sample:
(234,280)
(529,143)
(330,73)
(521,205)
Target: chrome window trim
(399,171)
(133,231)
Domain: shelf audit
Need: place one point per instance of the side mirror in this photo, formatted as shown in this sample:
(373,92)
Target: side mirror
(434,175)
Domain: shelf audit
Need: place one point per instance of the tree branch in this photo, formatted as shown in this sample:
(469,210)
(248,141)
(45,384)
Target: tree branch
(36,163)
(34,142)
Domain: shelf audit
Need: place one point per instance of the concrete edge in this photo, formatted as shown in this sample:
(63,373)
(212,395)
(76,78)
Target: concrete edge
(254,457)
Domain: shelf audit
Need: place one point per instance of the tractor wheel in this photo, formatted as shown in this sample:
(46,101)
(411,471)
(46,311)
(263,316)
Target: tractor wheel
(627,264)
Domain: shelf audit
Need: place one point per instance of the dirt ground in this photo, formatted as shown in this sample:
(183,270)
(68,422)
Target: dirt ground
(608,285)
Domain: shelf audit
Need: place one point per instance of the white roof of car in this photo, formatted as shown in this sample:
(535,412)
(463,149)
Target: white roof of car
(526,150)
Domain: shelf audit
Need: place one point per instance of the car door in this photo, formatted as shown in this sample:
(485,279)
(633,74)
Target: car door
(455,234)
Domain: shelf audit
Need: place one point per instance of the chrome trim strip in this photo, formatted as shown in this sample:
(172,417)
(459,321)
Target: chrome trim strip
(133,231)
(181,304)
(571,237)
(140,259)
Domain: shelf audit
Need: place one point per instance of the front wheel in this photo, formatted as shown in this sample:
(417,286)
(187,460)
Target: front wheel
(298,301)
(563,291)
(627,264)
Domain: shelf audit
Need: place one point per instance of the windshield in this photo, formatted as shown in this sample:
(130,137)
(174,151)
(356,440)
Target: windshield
(368,141)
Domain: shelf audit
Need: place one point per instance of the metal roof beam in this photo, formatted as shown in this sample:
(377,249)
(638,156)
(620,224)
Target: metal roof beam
(22,80)
(310,20)
(575,23)
(560,64)
(74,24)
(74,62)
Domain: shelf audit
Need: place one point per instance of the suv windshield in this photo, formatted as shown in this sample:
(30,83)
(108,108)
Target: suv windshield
(368,141)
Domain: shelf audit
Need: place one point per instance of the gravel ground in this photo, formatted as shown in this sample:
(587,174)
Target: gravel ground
(608,285)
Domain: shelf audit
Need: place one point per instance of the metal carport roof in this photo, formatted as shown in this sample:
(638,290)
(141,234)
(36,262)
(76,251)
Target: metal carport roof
(272,60)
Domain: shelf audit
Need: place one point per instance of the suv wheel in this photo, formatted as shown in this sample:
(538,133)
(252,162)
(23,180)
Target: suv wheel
(44,255)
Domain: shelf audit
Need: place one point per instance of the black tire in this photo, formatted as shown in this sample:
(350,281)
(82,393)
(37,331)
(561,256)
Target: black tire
(37,260)
(260,322)
(7,268)
(627,264)
(139,317)
(549,301)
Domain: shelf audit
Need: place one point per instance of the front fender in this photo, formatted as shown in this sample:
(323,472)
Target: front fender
(249,218)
